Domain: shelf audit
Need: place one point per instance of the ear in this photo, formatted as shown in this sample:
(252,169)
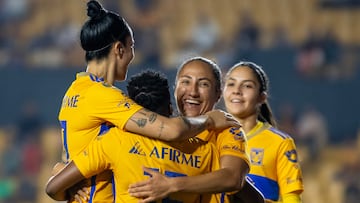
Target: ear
(263,97)
(119,48)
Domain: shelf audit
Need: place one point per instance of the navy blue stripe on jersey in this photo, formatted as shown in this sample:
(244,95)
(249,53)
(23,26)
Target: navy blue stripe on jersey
(269,188)
(92,189)
(64,132)
(113,186)
(103,129)
(222,197)
(95,78)
(280,133)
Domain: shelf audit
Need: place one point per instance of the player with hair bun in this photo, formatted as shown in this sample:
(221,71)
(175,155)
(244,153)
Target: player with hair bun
(126,153)
(92,103)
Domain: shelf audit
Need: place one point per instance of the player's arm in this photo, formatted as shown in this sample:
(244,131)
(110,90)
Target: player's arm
(229,178)
(292,197)
(233,170)
(248,194)
(58,184)
(153,125)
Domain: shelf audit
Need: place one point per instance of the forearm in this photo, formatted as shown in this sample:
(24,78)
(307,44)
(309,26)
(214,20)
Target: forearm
(230,177)
(58,184)
(191,126)
(207,183)
(156,126)
(58,195)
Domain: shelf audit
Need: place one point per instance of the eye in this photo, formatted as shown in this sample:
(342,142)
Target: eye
(230,84)
(204,84)
(184,82)
(248,85)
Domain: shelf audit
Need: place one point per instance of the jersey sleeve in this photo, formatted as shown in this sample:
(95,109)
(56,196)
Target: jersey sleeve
(289,172)
(110,104)
(232,141)
(99,155)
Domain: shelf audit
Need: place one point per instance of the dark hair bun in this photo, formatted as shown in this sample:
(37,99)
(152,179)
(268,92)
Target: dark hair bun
(95,10)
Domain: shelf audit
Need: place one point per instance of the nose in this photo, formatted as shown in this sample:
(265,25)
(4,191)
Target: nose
(237,91)
(194,90)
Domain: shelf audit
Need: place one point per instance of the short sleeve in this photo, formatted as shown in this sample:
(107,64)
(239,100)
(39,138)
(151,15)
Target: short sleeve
(288,168)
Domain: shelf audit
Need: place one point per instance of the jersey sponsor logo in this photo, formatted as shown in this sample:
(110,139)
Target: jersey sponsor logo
(298,178)
(233,148)
(70,101)
(176,156)
(256,156)
(168,153)
(238,133)
(136,149)
(291,155)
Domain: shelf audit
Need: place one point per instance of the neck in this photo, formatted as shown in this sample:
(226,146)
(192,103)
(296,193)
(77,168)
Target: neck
(248,123)
(101,69)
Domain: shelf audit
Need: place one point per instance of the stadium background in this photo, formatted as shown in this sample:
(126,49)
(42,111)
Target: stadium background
(309,48)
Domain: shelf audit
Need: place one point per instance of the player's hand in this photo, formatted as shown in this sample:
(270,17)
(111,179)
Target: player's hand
(154,188)
(79,192)
(82,195)
(222,120)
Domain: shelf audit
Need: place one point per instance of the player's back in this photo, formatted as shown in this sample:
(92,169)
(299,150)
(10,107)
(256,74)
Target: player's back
(86,106)
(176,159)
(127,153)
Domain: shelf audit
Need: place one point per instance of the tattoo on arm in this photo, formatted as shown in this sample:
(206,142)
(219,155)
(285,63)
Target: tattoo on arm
(152,117)
(141,122)
(161,129)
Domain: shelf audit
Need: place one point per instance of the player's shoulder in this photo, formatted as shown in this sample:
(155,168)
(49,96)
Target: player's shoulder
(237,133)
(279,133)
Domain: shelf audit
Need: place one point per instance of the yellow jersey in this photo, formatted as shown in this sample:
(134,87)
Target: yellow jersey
(231,141)
(89,105)
(275,169)
(126,153)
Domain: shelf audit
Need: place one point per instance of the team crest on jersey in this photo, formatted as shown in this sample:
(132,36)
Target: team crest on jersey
(291,155)
(238,133)
(136,149)
(256,156)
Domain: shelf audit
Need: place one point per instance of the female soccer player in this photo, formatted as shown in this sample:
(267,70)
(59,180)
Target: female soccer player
(274,169)
(197,90)
(92,103)
(125,153)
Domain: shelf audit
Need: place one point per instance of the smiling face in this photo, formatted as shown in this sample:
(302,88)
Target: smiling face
(241,93)
(196,90)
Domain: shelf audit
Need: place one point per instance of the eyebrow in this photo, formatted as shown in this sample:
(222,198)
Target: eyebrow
(189,77)
(252,81)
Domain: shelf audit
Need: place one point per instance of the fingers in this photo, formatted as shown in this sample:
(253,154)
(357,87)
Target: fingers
(83,193)
(138,184)
(78,198)
(147,200)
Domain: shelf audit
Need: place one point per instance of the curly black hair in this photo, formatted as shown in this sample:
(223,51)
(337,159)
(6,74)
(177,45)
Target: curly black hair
(150,89)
